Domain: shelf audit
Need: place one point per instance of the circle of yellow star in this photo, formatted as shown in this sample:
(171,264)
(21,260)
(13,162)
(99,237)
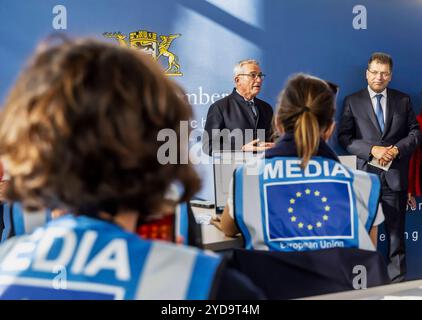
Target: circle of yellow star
(295,218)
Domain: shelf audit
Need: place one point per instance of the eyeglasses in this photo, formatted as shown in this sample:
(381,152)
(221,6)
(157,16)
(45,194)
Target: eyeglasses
(253,75)
(382,74)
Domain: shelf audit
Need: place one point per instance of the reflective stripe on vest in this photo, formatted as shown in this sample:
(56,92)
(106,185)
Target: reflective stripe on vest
(26,222)
(7,223)
(17,221)
(280,207)
(181,222)
(183,274)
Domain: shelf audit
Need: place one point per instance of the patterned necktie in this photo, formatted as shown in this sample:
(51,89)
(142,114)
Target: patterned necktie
(252,106)
(379,112)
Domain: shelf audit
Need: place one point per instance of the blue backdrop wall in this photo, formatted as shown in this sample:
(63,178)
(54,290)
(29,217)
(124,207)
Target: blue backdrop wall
(328,38)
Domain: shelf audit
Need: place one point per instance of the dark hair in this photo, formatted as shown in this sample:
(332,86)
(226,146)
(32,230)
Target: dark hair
(306,107)
(79,130)
(381,57)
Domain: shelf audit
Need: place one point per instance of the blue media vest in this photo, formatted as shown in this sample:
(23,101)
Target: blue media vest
(278,206)
(84,258)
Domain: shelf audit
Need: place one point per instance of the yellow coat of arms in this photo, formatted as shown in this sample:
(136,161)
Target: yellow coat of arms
(148,42)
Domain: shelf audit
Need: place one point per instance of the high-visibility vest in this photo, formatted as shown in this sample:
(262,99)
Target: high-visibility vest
(85,258)
(278,206)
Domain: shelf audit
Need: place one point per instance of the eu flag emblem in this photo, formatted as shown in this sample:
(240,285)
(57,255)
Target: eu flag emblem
(309,210)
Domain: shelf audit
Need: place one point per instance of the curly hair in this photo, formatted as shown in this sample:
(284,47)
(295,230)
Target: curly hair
(79,130)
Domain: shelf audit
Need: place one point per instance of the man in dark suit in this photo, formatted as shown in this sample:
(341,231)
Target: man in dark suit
(378,125)
(240,121)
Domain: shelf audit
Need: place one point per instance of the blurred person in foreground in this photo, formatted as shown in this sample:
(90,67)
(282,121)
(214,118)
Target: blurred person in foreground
(79,133)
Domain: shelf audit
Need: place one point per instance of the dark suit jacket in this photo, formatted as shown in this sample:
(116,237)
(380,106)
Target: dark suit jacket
(233,113)
(359,131)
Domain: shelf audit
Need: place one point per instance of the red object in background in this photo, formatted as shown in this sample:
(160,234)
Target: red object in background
(159,229)
(415,187)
